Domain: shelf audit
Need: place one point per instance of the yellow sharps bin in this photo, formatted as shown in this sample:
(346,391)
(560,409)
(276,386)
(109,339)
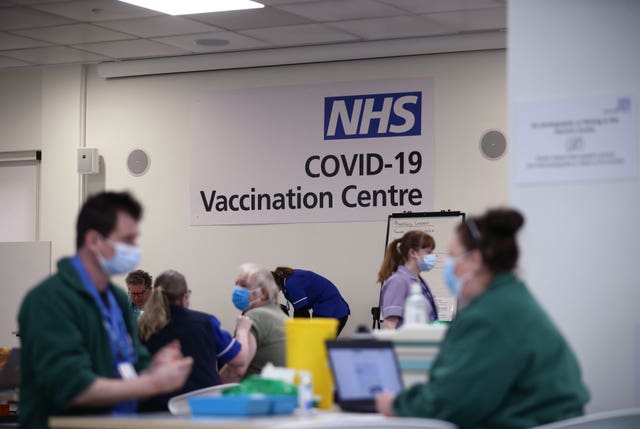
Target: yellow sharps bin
(306,351)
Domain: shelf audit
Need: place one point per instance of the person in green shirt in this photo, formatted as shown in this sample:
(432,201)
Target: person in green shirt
(503,363)
(80,348)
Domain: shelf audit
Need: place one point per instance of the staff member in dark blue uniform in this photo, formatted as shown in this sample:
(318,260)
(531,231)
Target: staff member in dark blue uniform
(306,291)
(167,318)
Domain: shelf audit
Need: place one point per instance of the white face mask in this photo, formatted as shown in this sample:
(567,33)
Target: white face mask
(125,259)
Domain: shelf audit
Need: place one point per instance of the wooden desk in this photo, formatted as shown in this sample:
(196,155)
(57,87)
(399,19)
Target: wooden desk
(319,420)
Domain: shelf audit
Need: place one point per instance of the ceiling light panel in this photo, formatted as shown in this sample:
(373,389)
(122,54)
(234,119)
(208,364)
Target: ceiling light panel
(187,7)
(95,10)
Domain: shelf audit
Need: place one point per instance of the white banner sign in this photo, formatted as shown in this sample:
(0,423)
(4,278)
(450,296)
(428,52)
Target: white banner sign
(590,138)
(351,151)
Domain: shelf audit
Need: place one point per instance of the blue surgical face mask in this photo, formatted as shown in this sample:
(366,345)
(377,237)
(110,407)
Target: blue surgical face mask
(240,297)
(427,262)
(453,282)
(124,260)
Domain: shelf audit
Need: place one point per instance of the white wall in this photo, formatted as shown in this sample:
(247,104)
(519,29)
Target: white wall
(581,242)
(20,115)
(152,113)
(22,265)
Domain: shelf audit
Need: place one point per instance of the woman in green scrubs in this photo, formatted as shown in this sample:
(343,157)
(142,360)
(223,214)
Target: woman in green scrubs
(503,363)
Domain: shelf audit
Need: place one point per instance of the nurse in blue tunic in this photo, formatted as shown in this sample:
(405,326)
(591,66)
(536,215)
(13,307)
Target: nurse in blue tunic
(311,295)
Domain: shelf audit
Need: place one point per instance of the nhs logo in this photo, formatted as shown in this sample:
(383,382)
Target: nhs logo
(373,115)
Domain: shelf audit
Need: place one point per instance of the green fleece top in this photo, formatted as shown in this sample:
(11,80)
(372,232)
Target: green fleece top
(502,365)
(65,346)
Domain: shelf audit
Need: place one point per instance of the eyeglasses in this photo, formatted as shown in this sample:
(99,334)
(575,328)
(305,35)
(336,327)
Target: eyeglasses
(139,294)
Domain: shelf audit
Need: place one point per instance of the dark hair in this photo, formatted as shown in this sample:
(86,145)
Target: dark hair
(398,251)
(493,234)
(139,277)
(100,213)
(281,273)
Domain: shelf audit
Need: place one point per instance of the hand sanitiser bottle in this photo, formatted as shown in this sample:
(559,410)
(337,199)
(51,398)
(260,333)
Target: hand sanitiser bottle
(305,393)
(415,307)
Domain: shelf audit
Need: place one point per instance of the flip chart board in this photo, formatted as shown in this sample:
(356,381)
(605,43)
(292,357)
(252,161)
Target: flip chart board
(441,226)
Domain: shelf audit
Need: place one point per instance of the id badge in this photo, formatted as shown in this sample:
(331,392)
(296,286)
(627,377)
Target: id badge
(127,371)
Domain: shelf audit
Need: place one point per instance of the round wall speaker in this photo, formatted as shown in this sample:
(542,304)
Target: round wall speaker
(138,162)
(493,145)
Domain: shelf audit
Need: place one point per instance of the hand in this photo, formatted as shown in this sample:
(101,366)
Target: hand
(170,376)
(169,353)
(384,403)
(243,323)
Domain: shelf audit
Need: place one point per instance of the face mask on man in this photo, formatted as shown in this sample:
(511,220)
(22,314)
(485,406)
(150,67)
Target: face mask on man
(124,260)
(240,297)
(427,262)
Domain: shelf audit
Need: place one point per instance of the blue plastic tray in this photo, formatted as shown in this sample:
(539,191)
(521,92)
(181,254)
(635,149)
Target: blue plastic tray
(236,405)
(243,405)
(283,404)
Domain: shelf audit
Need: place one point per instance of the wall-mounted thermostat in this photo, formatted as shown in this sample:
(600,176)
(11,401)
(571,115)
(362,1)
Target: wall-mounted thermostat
(88,161)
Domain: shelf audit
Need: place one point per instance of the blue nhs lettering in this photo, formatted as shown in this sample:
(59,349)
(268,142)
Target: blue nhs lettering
(373,115)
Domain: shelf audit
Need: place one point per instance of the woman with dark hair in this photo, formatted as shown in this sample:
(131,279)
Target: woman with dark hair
(503,363)
(405,258)
(167,317)
(308,291)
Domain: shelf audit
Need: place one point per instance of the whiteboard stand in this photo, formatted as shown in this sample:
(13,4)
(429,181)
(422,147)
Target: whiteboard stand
(441,226)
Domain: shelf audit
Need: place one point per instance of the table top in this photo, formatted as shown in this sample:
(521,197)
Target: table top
(317,420)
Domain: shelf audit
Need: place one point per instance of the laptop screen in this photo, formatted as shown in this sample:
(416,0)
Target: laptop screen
(361,368)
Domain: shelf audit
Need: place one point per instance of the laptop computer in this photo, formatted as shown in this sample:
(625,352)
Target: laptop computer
(361,368)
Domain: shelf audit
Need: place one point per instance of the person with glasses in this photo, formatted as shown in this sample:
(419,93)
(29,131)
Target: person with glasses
(167,318)
(80,348)
(503,363)
(139,288)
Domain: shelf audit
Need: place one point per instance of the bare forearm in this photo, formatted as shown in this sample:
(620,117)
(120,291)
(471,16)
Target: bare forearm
(390,322)
(109,391)
(163,377)
(244,356)
(237,367)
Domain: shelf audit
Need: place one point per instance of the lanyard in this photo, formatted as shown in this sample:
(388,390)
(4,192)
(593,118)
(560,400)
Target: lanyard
(112,319)
(427,293)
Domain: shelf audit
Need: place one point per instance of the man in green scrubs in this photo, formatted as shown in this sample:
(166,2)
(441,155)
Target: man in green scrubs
(80,348)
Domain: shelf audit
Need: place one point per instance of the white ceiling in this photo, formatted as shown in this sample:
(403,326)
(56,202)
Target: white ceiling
(42,32)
